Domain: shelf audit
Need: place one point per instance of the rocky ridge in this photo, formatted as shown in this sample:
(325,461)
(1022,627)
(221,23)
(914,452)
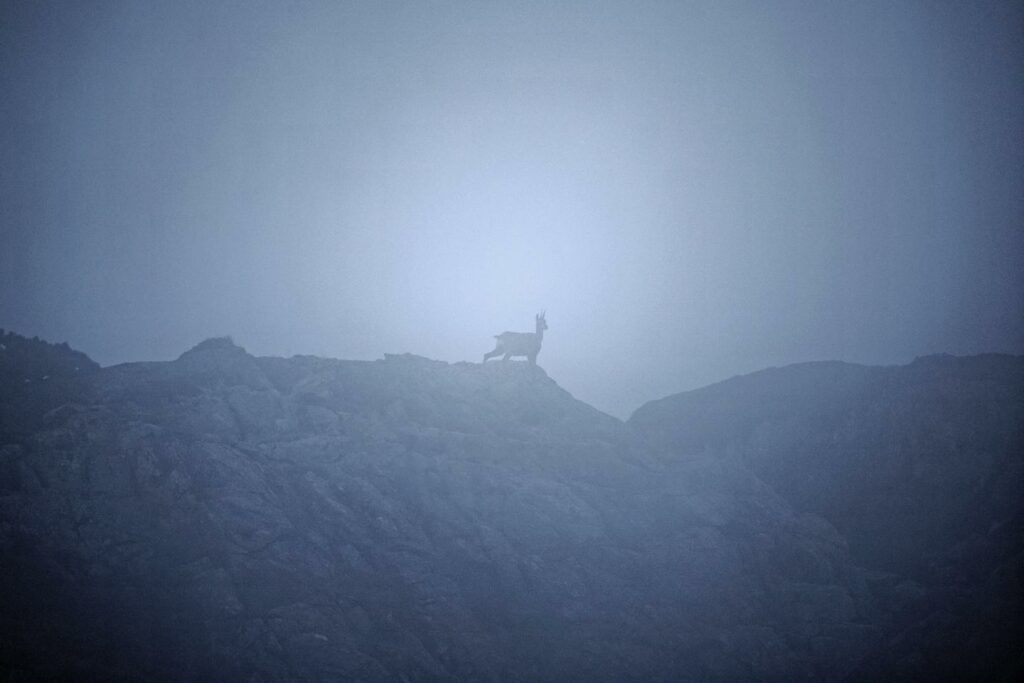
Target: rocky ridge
(919,467)
(233,517)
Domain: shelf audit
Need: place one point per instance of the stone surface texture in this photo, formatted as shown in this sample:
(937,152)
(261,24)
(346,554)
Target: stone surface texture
(228,517)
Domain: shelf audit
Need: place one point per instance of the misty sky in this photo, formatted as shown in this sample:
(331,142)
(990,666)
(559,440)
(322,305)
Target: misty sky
(691,190)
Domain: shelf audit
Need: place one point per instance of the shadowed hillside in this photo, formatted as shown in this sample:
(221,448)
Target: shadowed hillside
(224,516)
(920,468)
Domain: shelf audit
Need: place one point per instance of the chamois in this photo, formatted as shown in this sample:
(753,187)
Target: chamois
(519,343)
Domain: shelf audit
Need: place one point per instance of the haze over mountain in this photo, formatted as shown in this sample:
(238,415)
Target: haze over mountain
(692,190)
(814,202)
(225,516)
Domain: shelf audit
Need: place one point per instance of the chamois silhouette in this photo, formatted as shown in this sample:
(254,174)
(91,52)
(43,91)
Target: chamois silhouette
(519,343)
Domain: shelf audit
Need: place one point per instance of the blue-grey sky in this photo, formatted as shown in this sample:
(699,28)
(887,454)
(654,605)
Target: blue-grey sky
(691,190)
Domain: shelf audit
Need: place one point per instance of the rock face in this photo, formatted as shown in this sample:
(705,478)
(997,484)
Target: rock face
(920,468)
(35,378)
(225,517)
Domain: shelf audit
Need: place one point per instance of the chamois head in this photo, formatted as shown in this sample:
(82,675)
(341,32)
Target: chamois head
(542,324)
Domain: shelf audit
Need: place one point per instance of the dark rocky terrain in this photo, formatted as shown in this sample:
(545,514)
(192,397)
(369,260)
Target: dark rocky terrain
(226,517)
(921,470)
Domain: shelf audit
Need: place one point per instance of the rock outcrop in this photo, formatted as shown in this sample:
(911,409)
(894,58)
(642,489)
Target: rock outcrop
(35,378)
(229,517)
(920,468)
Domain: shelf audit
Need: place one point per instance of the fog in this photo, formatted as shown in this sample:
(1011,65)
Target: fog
(690,190)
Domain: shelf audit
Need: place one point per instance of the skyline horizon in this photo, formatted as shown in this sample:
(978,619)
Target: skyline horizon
(692,190)
(623,417)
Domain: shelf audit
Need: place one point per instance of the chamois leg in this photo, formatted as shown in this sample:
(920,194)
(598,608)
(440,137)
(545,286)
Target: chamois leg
(492,354)
(508,354)
(532,358)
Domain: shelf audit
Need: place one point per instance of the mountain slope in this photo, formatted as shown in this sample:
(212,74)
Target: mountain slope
(920,468)
(224,517)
